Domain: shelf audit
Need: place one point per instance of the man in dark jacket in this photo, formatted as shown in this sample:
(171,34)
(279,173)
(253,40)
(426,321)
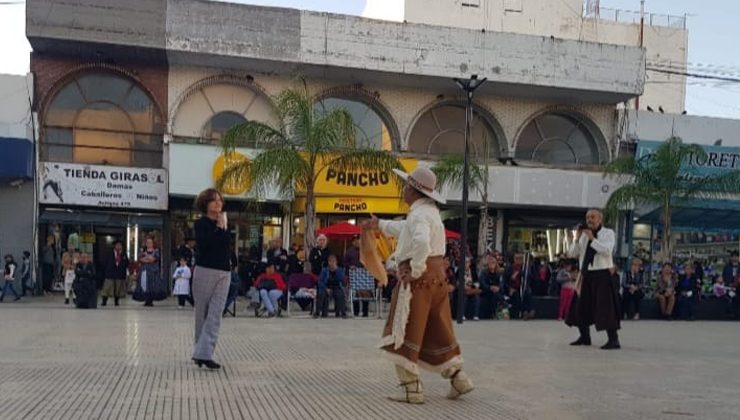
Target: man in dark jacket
(116,267)
(319,255)
(278,256)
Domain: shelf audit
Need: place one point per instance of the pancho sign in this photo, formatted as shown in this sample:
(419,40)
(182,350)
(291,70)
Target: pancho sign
(103,186)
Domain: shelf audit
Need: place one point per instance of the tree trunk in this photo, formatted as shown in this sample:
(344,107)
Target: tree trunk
(667,243)
(309,239)
(483,231)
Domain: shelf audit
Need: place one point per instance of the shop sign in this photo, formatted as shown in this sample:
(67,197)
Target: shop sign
(103,186)
(361,182)
(354,205)
(719,159)
(224,162)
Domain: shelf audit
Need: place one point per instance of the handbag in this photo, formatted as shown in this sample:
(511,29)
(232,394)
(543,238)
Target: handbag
(268,285)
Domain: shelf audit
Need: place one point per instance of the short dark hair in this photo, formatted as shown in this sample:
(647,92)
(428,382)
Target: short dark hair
(26,254)
(205,197)
(8,256)
(735,254)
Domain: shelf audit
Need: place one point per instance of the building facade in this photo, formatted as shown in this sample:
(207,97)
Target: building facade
(155,87)
(16,166)
(664,37)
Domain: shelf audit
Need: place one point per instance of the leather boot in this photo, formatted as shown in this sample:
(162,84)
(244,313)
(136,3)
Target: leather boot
(116,301)
(460,383)
(411,389)
(104,302)
(584,339)
(613,342)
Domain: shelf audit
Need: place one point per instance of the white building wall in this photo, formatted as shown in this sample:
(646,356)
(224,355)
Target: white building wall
(665,46)
(644,125)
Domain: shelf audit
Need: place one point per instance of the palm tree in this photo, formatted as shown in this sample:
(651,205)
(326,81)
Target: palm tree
(665,179)
(307,139)
(449,171)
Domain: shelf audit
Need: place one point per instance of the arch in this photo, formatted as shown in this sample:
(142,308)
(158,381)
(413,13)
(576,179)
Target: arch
(219,123)
(103,68)
(246,82)
(356,93)
(561,136)
(98,114)
(432,134)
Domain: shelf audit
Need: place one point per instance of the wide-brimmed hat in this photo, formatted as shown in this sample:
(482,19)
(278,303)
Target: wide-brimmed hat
(423,180)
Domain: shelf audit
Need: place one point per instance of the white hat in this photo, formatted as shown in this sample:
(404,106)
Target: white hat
(423,180)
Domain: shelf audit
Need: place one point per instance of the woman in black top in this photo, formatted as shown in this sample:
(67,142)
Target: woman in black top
(211,276)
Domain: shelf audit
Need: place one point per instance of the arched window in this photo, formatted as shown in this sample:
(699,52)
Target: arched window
(559,138)
(372,129)
(101,118)
(441,131)
(219,124)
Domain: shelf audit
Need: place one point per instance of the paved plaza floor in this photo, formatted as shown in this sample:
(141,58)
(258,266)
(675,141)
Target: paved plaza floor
(131,362)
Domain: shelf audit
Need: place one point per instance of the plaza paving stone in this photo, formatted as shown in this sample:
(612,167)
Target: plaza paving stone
(131,362)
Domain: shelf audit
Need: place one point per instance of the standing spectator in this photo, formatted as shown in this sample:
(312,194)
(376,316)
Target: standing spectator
(212,275)
(187,250)
(540,278)
(633,289)
(69,262)
(519,297)
(666,291)
(331,284)
(48,262)
(84,286)
(472,291)
(151,286)
(278,256)
(352,255)
(9,277)
(566,277)
(490,283)
(116,271)
(731,272)
(182,277)
(26,283)
(295,263)
(688,288)
(319,255)
(270,286)
(451,284)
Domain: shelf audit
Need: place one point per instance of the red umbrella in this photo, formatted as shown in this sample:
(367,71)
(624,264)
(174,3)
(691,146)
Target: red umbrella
(449,234)
(341,230)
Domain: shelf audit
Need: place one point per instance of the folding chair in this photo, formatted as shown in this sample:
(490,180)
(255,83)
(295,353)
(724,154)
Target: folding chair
(297,281)
(362,288)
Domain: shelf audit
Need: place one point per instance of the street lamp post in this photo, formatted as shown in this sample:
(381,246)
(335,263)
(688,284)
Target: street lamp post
(468,86)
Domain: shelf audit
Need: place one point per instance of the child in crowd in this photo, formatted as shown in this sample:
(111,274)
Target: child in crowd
(567,279)
(182,282)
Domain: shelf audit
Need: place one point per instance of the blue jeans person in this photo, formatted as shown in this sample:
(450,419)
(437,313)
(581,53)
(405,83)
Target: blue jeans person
(9,284)
(270,299)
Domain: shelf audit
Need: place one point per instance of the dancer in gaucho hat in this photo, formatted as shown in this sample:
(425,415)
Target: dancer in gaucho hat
(419,330)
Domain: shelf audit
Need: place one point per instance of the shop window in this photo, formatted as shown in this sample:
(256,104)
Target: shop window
(441,131)
(558,139)
(104,119)
(219,124)
(372,129)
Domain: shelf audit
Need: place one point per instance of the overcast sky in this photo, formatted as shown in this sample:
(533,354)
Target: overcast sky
(714,34)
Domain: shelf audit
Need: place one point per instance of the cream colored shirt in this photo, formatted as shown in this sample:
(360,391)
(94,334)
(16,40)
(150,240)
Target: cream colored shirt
(604,246)
(420,236)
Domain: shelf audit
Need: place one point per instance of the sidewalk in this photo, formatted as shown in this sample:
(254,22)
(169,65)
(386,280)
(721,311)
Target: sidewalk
(132,362)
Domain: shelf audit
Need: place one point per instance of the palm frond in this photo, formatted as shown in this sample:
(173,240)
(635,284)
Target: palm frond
(334,129)
(623,166)
(238,172)
(251,134)
(450,173)
(627,197)
(282,168)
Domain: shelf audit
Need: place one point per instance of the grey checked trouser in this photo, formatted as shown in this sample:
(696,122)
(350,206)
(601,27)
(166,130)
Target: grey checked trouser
(210,290)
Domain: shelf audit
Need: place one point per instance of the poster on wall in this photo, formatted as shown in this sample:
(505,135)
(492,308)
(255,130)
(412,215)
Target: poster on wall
(102,186)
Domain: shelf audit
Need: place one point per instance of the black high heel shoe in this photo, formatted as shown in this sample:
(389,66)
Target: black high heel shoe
(210,364)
